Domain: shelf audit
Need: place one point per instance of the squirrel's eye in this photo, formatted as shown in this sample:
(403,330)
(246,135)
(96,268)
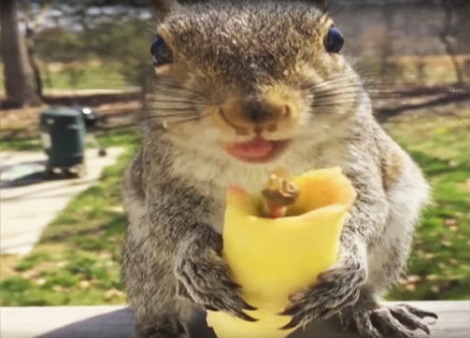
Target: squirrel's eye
(161,53)
(334,40)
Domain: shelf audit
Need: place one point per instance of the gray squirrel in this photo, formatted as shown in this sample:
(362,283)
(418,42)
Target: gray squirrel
(242,88)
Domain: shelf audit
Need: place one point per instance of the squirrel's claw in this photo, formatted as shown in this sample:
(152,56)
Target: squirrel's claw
(375,321)
(224,296)
(205,279)
(334,290)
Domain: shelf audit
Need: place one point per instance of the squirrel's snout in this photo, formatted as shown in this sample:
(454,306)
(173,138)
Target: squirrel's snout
(257,116)
(262,112)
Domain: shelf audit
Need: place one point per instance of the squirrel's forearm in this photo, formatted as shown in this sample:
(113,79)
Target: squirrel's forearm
(370,211)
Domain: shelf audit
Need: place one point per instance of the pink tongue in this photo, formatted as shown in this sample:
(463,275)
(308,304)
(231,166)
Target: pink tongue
(252,149)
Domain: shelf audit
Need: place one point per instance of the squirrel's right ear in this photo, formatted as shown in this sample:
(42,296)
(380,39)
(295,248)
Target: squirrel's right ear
(163,7)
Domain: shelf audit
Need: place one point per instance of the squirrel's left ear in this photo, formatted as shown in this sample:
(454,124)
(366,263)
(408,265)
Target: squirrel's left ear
(163,7)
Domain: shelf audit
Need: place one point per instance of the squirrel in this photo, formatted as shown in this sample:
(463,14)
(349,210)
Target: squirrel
(241,88)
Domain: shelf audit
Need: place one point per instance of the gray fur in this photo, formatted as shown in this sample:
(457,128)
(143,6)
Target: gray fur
(174,190)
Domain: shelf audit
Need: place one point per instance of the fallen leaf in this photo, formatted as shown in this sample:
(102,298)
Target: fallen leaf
(454,261)
(451,222)
(40,281)
(117,209)
(113,293)
(446,244)
(84,284)
(432,277)
(429,256)
(410,287)
(413,279)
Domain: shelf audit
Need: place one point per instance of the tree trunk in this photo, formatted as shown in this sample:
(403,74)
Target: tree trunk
(20,84)
(29,38)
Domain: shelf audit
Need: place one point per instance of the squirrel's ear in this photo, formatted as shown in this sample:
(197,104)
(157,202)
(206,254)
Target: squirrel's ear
(163,7)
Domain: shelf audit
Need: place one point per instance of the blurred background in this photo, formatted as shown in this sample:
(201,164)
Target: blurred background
(415,59)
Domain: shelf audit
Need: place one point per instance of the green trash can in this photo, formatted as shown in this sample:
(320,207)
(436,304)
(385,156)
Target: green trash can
(63,138)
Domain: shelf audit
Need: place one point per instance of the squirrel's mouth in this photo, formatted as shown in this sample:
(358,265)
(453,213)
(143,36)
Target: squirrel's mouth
(258,150)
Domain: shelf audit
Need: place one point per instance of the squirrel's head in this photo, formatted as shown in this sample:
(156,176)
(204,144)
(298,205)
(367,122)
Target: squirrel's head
(250,79)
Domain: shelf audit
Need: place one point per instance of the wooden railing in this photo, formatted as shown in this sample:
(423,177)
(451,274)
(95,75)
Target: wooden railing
(117,322)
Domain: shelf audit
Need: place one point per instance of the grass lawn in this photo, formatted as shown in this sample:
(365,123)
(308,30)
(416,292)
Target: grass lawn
(78,258)
(112,137)
(439,267)
(85,76)
(98,75)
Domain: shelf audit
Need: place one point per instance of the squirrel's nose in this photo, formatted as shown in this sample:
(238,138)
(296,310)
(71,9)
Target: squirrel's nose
(265,112)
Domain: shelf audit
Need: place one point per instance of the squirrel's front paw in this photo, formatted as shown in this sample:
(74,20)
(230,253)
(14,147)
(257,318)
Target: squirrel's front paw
(375,321)
(334,290)
(205,279)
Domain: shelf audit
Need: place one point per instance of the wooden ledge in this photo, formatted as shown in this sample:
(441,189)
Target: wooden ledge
(117,322)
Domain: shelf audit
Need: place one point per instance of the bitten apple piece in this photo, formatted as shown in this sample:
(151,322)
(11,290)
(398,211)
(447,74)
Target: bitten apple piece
(272,258)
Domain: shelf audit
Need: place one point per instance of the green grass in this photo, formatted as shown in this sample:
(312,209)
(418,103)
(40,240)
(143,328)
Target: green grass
(110,138)
(439,265)
(78,258)
(81,76)
(28,144)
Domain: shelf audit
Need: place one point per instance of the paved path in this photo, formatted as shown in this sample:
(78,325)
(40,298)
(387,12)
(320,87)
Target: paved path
(28,202)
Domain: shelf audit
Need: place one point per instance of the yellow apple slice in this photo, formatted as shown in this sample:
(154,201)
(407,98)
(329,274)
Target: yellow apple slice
(272,258)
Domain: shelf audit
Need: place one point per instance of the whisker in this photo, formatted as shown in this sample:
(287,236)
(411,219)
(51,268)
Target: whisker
(334,85)
(174,96)
(182,121)
(187,102)
(176,109)
(321,106)
(171,88)
(338,95)
(187,120)
(164,115)
(333,102)
(330,84)
(345,89)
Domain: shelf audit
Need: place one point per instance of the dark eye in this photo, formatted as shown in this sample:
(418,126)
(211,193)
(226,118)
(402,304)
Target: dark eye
(161,53)
(334,40)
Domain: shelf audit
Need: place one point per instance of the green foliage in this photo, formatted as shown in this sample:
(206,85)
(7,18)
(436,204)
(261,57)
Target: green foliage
(60,45)
(120,42)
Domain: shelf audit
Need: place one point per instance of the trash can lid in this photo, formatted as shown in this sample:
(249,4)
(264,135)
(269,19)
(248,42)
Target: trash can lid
(61,112)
